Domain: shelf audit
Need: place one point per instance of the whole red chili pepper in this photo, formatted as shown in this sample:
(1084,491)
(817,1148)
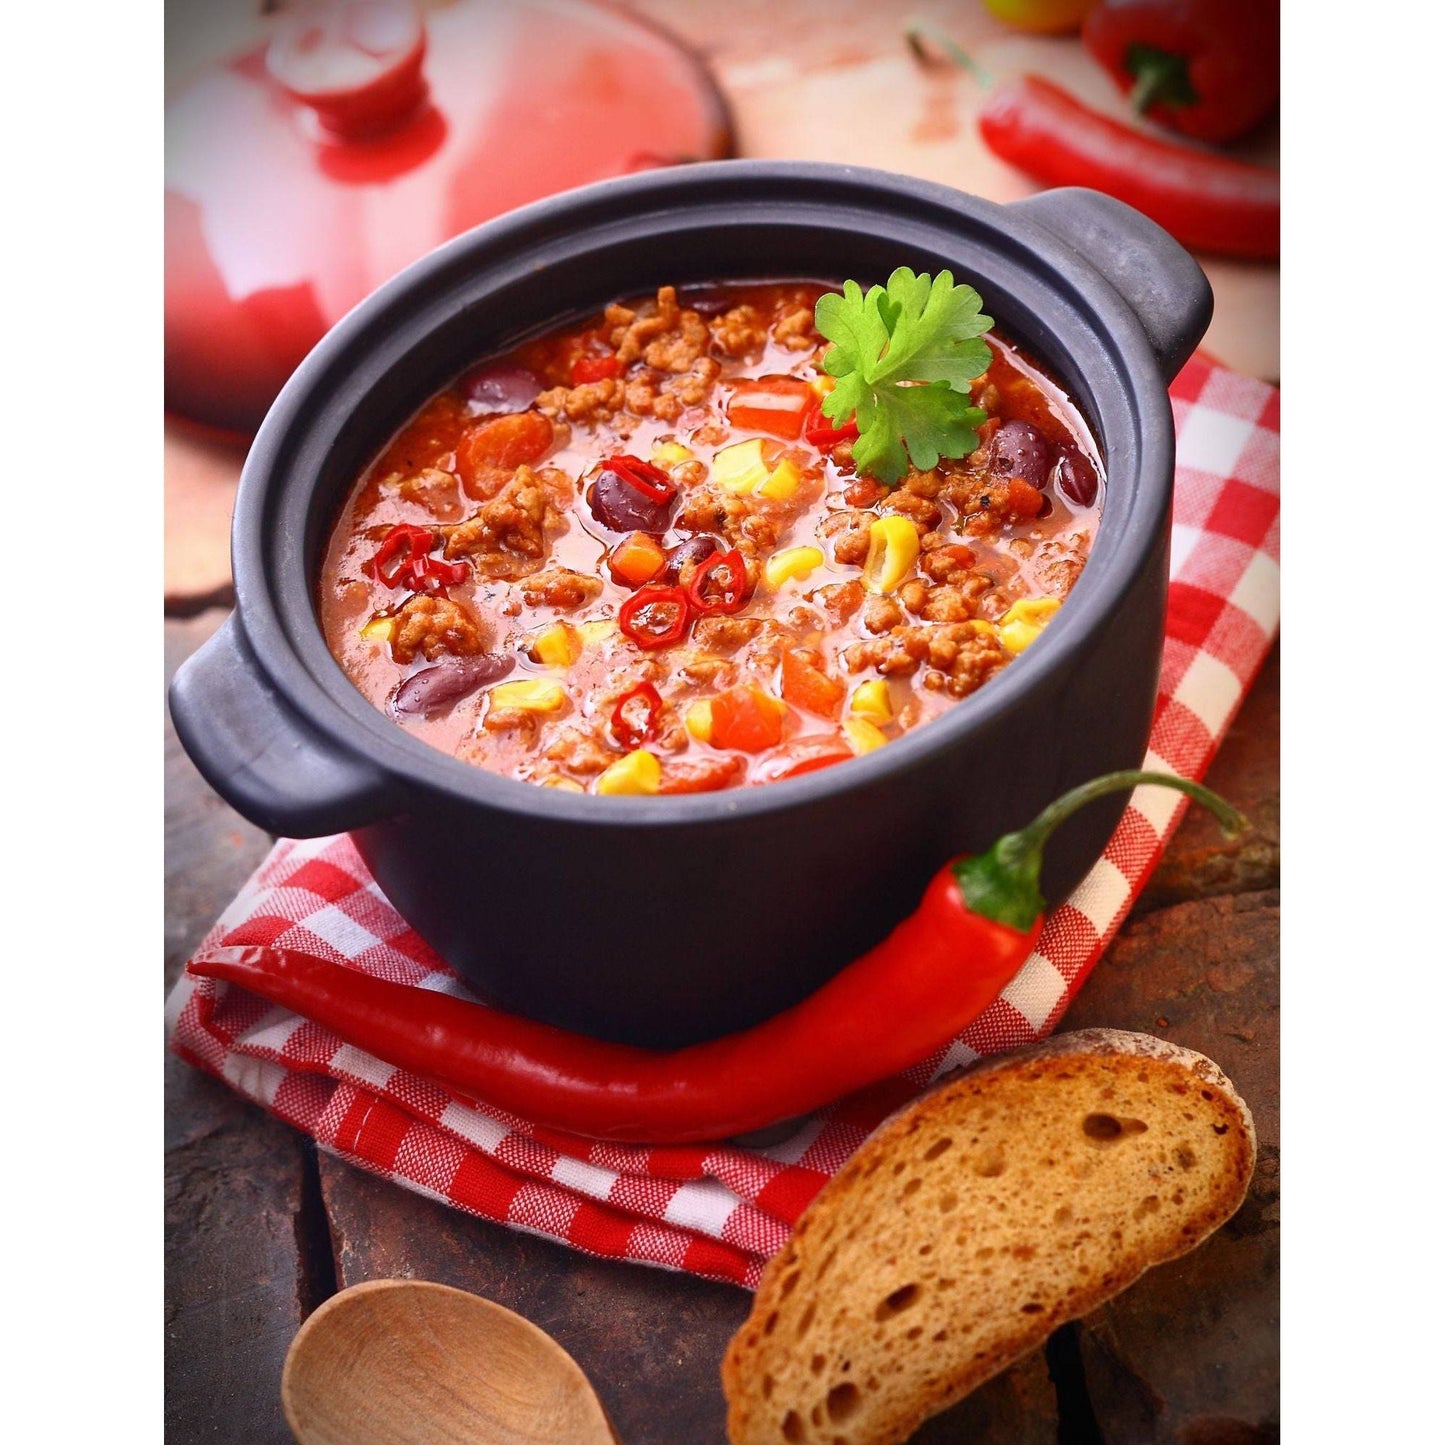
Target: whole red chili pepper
(729,569)
(655,602)
(930,978)
(623,729)
(1208,68)
(1206,201)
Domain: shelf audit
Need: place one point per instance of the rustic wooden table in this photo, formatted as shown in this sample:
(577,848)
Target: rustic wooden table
(260,1228)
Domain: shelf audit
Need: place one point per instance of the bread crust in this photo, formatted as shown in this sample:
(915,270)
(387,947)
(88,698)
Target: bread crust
(820,1361)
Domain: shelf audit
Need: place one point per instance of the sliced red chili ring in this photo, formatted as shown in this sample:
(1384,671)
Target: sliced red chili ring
(734,593)
(651,481)
(408,546)
(822,433)
(623,729)
(640,616)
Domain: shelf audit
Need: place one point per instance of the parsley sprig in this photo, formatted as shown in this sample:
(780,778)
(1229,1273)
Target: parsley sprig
(903,356)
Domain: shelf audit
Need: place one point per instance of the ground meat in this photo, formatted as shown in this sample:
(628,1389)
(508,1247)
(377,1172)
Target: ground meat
(1059,561)
(725,634)
(435,490)
(432,626)
(922,484)
(943,561)
(712,672)
(864,492)
(666,397)
(560,587)
(944,603)
(740,332)
(670,338)
(508,536)
(881,614)
(958,656)
(578,749)
(923,512)
(795,330)
(839,600)
(850,529)
(590,402)
(710,509)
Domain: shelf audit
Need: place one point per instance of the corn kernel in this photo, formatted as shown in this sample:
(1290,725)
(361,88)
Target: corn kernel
(822,385)
(559,645)
(892,551)
(1022,623)
(863,736)
(698,721)
(637,773)
(671,454)
(563,785)
(782,482)
(379,629)
(794,562)
(740,468)
(597,631)
(529,695)
(871,701)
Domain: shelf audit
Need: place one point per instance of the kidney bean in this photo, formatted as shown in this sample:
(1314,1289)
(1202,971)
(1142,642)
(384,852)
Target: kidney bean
(694,550)
(706,300)
(1021,450)
(1075,476)
(494,389)
(434,689)
(621,507)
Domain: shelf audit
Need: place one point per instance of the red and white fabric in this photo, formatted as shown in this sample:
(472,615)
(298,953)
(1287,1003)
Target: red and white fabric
(721,1210)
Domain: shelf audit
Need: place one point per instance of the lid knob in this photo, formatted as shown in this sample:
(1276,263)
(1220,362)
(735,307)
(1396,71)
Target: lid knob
(355,63)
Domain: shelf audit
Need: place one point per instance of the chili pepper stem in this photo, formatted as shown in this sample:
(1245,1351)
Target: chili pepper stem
(1003,884)
(1158,75)
(918,34)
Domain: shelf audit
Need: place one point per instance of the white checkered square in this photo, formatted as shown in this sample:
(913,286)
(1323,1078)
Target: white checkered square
(1209,690)
(341,931)
(1035,989)
(704,1206)
(586,1179)
(1257,591)
(1212,441)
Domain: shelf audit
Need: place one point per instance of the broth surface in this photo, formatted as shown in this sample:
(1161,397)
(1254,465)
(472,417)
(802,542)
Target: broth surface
(523,558)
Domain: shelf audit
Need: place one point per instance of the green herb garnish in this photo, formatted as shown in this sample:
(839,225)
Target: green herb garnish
(903,357)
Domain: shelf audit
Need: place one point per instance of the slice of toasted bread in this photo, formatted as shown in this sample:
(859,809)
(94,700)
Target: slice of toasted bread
(1019,1195)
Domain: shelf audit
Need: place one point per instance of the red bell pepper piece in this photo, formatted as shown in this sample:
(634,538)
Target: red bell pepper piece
(938,970)
(772,404)
(819,431)
(1207,68)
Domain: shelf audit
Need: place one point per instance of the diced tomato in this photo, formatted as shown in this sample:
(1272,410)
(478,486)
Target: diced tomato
(772,404)
(593,368)
(433,431)
(502,444)
(706,775)
(806,755)
(1023,500)
(748,719)
(807,686)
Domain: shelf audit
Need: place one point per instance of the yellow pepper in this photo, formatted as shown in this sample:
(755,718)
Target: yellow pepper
(740,468)
(563,785)
(698,721)
(794,562)
(892,551)
(782,482)
(597,631)
(559,645)
(863,736)
(379,629)
(871,701)
(1023,622)
(637,774)
(671,454)
(529,695)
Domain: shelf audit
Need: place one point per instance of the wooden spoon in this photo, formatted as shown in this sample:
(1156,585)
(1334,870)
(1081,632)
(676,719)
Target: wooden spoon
(402,1362)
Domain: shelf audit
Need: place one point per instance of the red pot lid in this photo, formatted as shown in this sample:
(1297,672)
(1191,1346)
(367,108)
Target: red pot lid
(302,175)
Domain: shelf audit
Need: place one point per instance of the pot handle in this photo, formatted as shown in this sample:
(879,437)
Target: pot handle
(253,749)
(1159,279)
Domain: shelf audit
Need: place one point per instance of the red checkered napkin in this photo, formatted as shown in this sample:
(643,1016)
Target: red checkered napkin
(721,1210)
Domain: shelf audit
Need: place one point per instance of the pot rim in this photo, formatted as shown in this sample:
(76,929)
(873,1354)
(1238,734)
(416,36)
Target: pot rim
(291,648)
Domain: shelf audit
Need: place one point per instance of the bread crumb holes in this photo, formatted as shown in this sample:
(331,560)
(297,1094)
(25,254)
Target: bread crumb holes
(894,1304)
(843,1401)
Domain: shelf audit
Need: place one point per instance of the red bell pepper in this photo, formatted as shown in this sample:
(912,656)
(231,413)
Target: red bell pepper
(1207,68)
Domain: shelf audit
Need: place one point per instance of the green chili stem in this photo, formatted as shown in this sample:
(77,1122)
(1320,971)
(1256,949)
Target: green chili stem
(955,52)
(1003,884)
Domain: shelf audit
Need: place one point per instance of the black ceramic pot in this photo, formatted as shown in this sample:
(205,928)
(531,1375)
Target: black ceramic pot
(666,920)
